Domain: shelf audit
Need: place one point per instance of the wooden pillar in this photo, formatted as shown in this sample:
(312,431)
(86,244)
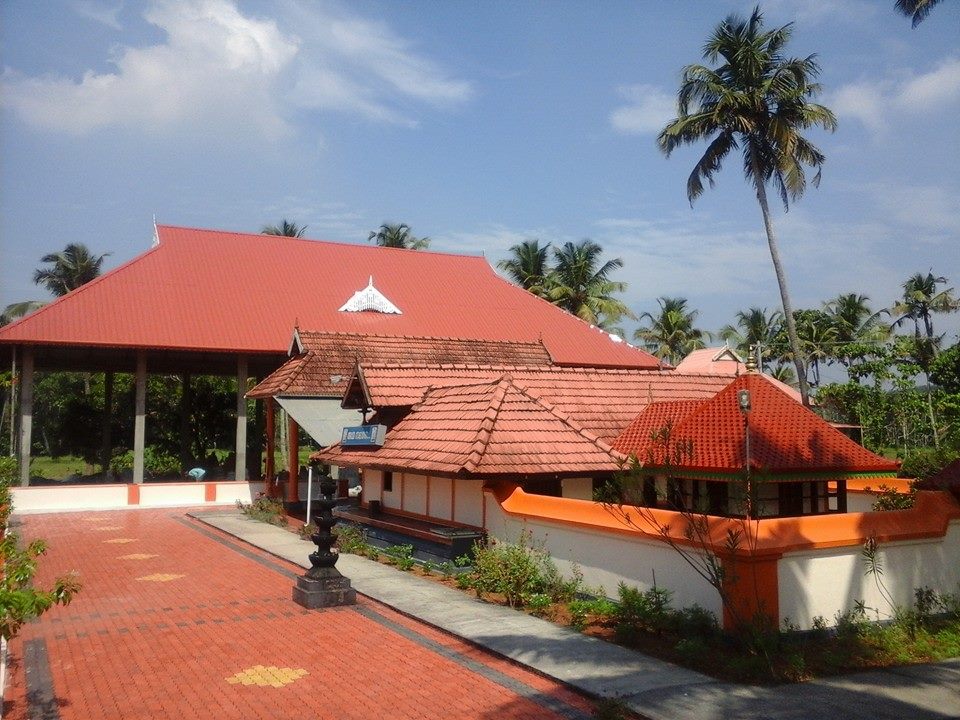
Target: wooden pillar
(26,414)
(293,444)
(269,467)
(106,448)
(186,410)
(139,418)
(240,447)
(255,447)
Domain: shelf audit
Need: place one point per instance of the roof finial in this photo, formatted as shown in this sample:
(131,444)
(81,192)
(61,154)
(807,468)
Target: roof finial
(751,362)
(370,282)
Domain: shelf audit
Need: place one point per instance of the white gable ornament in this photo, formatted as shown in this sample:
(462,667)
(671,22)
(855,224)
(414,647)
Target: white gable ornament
(370,300)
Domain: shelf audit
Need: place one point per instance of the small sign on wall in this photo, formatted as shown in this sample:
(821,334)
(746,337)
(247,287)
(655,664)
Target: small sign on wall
(363,436)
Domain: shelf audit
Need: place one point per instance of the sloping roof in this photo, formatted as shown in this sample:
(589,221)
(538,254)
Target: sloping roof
(209,290)
(724,361)
(653,420)
(602,401)
(785,437)
(487,429)
(328,362)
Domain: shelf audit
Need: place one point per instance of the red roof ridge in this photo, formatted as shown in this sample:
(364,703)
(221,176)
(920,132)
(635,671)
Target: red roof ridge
(330,333)
(489,421)
(288,238)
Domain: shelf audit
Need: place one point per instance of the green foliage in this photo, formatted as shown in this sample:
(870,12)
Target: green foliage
(583,611)
(518,572)
(889,499)
(351,539)
(400,555)
(539,603)
(306,531)
(926,462)
(642,610)
(264,509)
(20,600)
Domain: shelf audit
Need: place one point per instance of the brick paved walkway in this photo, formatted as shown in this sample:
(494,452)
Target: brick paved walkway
(178,621)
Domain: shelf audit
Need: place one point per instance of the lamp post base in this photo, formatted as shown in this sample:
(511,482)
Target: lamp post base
(330,589)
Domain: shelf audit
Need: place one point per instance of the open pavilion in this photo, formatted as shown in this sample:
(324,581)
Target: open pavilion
(224,303)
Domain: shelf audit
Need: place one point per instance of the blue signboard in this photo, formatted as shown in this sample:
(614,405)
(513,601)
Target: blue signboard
(363,436)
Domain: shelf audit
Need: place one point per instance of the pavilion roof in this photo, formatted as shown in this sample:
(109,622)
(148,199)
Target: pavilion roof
(210,290)
(710,436)
(602,401)
(327,360)
(491,428)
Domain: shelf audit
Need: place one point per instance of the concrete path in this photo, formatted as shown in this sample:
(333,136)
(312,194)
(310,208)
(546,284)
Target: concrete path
(651,687)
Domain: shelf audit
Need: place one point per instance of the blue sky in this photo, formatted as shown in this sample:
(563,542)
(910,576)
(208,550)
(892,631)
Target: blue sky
(480,125)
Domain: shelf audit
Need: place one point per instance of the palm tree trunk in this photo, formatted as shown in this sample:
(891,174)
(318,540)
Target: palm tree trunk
(784,295)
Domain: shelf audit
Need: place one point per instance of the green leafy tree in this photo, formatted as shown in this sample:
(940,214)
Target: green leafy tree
(21,600)
(671,334)
(528,266)
(921,300)
(68,269)
(757,100)
(855,324)
(917,10)
(285,228)
(756,327)
(580,284)
(398,236)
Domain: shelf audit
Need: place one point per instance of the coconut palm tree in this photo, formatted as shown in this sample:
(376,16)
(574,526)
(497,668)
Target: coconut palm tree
(528,266)
(855,323)
(757,101)
(398,236)
(670,334)
(757,327)
(916,9)
(69,269)
(582,286)
(285,228)
(921,300)
(15,311)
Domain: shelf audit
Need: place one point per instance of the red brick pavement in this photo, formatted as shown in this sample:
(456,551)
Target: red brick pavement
(167,647)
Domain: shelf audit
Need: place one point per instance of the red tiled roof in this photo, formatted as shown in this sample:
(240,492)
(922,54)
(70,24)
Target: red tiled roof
(602,401)
(723,361)
(330,358)
(213,290)
(784,436)
(489,429)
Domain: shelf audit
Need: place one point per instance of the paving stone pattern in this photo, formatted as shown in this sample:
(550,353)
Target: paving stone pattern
(178,624)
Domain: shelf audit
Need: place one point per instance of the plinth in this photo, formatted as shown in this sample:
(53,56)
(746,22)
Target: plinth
(323,585)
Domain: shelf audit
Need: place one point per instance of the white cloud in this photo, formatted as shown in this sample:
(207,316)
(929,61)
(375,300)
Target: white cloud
(877,103)
(361,66)
(648,109)
(104,14)
(819,11)
(216,66)
(219,68)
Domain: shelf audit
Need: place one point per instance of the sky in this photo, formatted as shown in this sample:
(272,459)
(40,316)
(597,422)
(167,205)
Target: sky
(478,124)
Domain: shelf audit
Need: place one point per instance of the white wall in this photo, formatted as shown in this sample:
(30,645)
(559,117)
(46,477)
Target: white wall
(440,495)
(414,493)
(860,501)
(824,582)
(468,505)
(607,558)
(64,498)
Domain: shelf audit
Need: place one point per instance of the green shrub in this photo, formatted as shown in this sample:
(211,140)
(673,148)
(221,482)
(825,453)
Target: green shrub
(695,622)
(889,499)
(538,603)
(518,571)
(156,462)
(20,600)
(692,649)
(400,555)
(121,461)
(264,509)
(643,610)
(351,539)
(446,568)
(306,531)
